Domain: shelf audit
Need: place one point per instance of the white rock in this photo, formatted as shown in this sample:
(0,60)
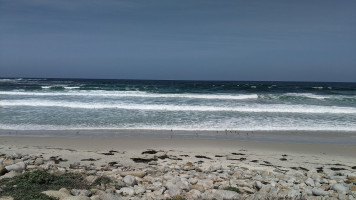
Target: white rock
(173,189)
(130,180)
(19,167)
(206,183)
(139,189)
(339,188)
(215,167)
(310,182)
(319,192)
(226,194)
(194,194)
(126,191)
(258,185)
(76,192)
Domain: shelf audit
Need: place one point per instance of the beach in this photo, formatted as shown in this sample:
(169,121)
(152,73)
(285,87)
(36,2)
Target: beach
(193,167)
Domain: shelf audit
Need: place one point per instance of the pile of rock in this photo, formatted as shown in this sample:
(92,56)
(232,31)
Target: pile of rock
(172,179)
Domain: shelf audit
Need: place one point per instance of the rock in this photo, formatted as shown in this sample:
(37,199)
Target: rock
(353,187)
(95,197)
(91,179)
(126,191)
(310,182)
(61,194)
(19,167)
(258,185)
(108,196)
(197,187)
(173,189)
(139,189)
(319,192)
(120,183)
(193,194)
(76,192)
(76,198)
(39,161)
(3,170)
(215,167)
(206,183)
(11,174)
(339,188)
(226,194)
(6,198)
(130,180)
(139,174)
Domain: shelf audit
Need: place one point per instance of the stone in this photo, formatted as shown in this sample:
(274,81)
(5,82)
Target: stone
(91,179)
(139,189)
(310,182)
(130,180)
(173,189)
(258,185)
(206,183)
(108,196)
(76,192)
(193,194)
(3,170)
(19,167)
(39,161)
(10,174)
(126,191)
(197,187)
(353,187)
(319,192)
(226,194)
(57,194)
(6,198)
(95,197)
(139,174)
(215,167)
(76,198)
(339,188)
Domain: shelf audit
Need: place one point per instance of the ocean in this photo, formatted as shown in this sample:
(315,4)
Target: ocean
(66,104)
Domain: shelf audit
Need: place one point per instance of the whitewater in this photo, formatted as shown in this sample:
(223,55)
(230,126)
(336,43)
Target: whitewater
(65,104)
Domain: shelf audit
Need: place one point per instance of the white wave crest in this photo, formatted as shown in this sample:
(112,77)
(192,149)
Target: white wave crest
(259,108)
(101,93)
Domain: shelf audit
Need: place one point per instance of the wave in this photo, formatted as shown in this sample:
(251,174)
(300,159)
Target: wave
(181,127)
(101,93)
(254,108)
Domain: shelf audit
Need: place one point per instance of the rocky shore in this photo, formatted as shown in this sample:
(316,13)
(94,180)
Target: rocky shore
(165,174)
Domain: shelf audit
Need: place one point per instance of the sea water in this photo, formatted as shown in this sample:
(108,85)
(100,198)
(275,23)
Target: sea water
(65,104)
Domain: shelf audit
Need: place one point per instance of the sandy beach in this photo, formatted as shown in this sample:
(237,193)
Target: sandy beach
(110,155)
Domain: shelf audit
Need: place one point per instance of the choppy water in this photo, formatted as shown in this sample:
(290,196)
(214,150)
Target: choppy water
(57,104)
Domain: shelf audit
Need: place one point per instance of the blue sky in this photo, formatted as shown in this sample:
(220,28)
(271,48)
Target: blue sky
(306,40)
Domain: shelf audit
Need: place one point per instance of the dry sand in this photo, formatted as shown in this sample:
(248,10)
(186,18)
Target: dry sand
(251,154)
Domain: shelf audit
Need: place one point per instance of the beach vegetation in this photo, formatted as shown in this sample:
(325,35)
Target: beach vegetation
(29,185)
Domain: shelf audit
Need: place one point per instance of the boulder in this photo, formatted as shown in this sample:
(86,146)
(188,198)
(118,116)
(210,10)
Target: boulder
(319,192)
(76,192)
(126,191)
(76,198)
(139,174)
(339,188)
(226,194)
(193,194)
(19,167)
(130,180)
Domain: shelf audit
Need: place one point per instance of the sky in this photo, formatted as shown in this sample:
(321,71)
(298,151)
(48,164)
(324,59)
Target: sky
(276,40)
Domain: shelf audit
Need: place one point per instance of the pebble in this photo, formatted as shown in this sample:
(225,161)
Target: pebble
(130,180)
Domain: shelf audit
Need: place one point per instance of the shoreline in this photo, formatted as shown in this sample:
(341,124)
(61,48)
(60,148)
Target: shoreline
(302,137)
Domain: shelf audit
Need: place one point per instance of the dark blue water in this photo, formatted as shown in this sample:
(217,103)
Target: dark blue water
(185,105)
